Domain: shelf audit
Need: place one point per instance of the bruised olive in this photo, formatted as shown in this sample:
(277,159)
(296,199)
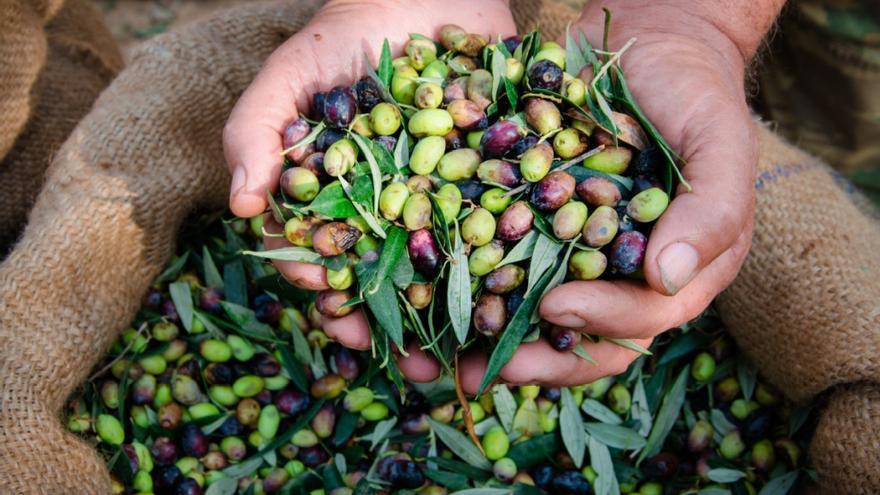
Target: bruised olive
(387,142)
(504,279)
(450,35)
(570,143)
(479,88)
(553,191)
(467,115)
(292,402)
(314,163)
(628,252)
(569,220)
(648,205)
(523,144)
(601,227)
(340,157)
(459,164)
(419,183)
(367,92)
(392,199)
(417,212)
(471,190)
(485,258)
(340,106)
(404,82)
(455,90)
(385,119)
(428,95)
(598,191)
(300,184)
(619,398)
(427,154)
(423,252)
(515,222)
(587,265)
(663,466)
(536,161)
(497,171)
(293,133)
(421,52)
(611,160)
(490,314)
(545,74)
(478,228)
(448,199)
(454,139)
(334,238)
(495,200)
(419,295)
(564,339)
(642,182)
(362,126)
(430,122)
(543,115)
(499,138)
(329,303)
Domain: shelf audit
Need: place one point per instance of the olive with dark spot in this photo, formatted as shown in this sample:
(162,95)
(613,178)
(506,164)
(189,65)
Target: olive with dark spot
(368,93)
(553,191)
(329,303)
(545,74)
(504,279)
(335,238)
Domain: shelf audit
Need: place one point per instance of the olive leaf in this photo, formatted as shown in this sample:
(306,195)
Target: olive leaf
(600,459)
(780,485)
(615,436)
(181,295)
(534,451)
(683,344)
(458,291)
(294,369)
(629,344)
(574,436)
(641,409)
(505,405)
(174,268)
(331,202)
(512,94)
(293,253)
(401,151)
(522,250)
(382,302)
(747,376)
(600,411)
(725,475)
(393,249)
(499,70)
(385,69)
(375,172)
(544,256)
(460,445)
(575,60)
(367,216)
(666,416)
(212,274)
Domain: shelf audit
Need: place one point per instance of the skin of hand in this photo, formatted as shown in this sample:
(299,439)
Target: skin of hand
(686,70)
(325,53)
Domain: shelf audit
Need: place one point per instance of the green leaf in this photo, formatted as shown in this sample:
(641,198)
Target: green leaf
(544,256)
(403,272)
(362,189)
(212,274)
(513,335)
(684,344)
(235,282)
(294,369)
(331,202)
(366,215)
(460,445)
(383,305)
(600,460)
(666,416)
(247,320)
(173,269)
(293,253)
(448,479)
(223,486)
(505,405)
(458,292)
(725,475)
(780,485)
(380,431)
(574,57)
(747,376)
(484,491)
(572,428)
(499,70)
(182,296)
(641,408)
(720,422)
(586,48)
(512,94)
(629,344)
(301,348)
(522,250)
(615,436)
(392,250)
(385,69)
(401,151)
(375,172)
(600,411)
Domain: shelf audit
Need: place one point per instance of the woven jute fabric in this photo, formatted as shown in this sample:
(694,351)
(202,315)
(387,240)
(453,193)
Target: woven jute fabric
(149,153)
(80,59)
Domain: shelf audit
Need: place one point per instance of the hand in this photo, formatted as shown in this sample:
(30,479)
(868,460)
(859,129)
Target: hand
(328,51)
(687,76)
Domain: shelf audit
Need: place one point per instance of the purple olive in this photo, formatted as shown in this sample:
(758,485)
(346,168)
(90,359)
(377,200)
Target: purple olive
(467,115)
(335,238)
(193,441)
(564,339)
(504,279)
(340,106)
(294,133)
(499,172)
(318,105)
(165,477)
(163,451)
(490,314)
(312,456)
(265,364)
(424,252)
(647,161)
(328,137)
(515,222)
(512,42)
(368,93)
(219,374)
(544,74)
(346,363)
(267,310)
(324,421)
(553,191)
(329,303)
(521,146)
(152,299)
(499,138)
(209,300)
(455,90)
(292,402)
(471,190)
(387,142)
(628,252)
(315,164)
(642,182)
(598,191)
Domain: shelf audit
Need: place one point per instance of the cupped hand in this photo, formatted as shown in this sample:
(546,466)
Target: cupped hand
(329,51)
(688,79)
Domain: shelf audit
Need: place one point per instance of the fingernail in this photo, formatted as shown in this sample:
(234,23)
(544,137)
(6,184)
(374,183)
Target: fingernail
(678,265)
(239,180)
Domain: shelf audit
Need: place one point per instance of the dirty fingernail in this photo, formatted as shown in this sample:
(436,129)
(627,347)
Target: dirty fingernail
(678,265)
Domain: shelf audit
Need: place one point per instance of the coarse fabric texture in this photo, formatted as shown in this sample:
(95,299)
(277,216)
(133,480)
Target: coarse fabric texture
(806,306)
(149,153)
(79,60)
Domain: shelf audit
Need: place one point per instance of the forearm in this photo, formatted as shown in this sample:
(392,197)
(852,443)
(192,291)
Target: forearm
(734,26)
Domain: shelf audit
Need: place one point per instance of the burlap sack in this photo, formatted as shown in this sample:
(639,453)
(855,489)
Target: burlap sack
(148,154)
(51,71)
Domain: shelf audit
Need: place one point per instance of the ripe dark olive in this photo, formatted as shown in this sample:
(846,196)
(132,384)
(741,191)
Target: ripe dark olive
(570,483)
(647,161)
(292,402)
(543,476)
(328,137)
(346,363)
(340,106)
(499,172)
(505,279)
(471,190)
(553,191)
(193,441)
(405,474)
(544,74)
(499,138)
(523,144)
(163,451)
(663,466)
(564,339)
(165,477)
(628,252)
(490,314)
(515,222)
(318,105)
(368,94)
(312,456)
(329,303)
(265,364)
(424,252)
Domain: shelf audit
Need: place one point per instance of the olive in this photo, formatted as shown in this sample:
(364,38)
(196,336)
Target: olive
(428,95)
(450,35)
(417,212)
(317,107)
(598,191)
(478,228)
(504,279)
(328,386)
(346,363)
(421,52)
(471,190)
(324,421)
(329,303)
(392,200)
(293,133)
(570,143)
(727,389)
(479,88)
(587,265)
(485,258)
(430,122)
(419,295)
(542,115)
(404,82)
(515,222)
(504,469)
(335,238)
(473,139)
(601,227)
(386,142)
(569,220)
(536,161)
(731,445)
(455,90)
(553,52)
(419,183)
(642,182)
(523,144)
(367,92)
(495,200)
(628,252)
(499,138)
(663,466)
(515,70)
(497,171)
(564,339)
(570,483)
(467,115)
(553,191)
(700,436)
(495,443)
(385,119)
(300,184)
(648,205)
(436,69)
(448,199)
(405,474)
(490,314)
(454,140)
(424,252)
(545,74)
(427,154)
(327,138)
(611,160)
(575,90)
(340,106)
(619,399)
(703,367)
(314,163)
(340,157)
(647,161)
(763,455)
(458,164)
(291,402)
